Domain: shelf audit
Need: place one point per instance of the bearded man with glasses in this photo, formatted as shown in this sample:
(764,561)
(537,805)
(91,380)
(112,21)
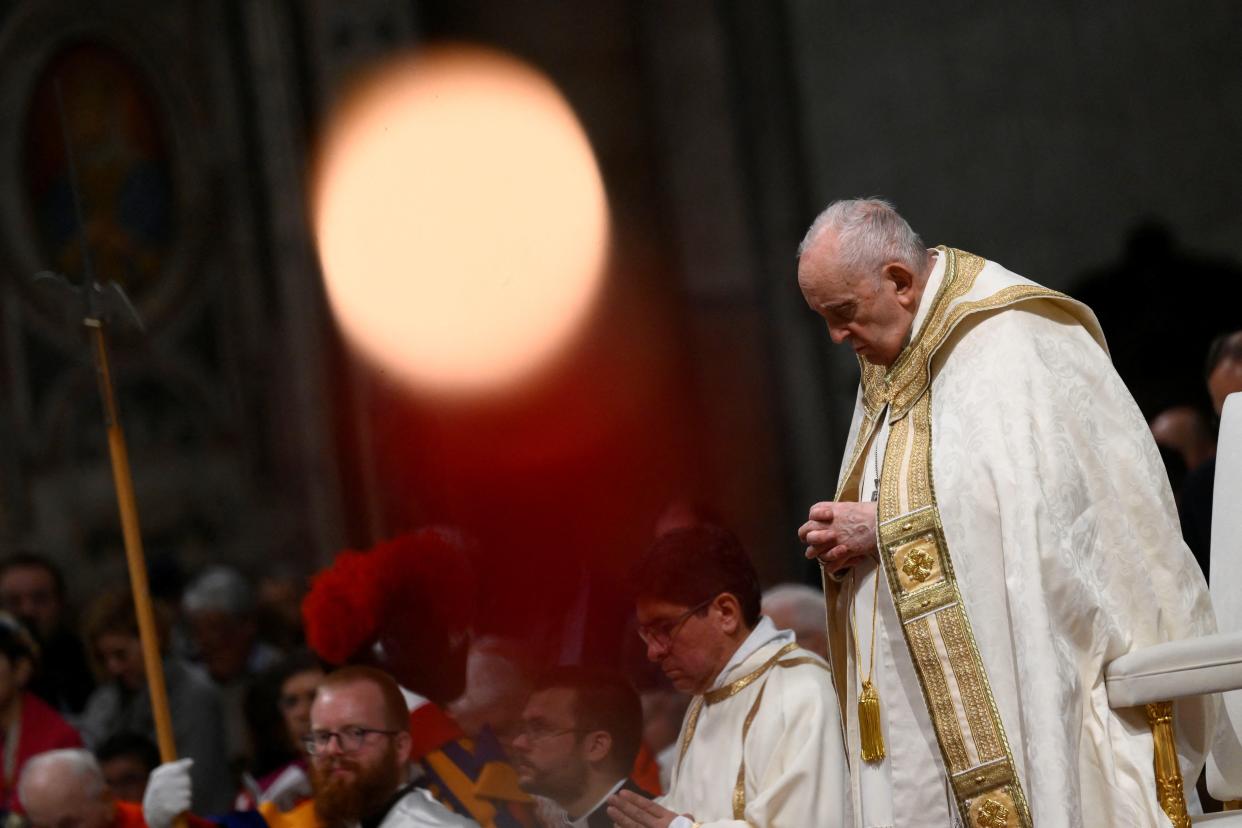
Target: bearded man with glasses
(359,746)
(761,742)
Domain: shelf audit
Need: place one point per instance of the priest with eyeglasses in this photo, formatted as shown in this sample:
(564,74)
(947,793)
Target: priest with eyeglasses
(761,742)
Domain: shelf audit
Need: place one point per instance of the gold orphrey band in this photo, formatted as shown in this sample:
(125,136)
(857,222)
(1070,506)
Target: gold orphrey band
(920,572)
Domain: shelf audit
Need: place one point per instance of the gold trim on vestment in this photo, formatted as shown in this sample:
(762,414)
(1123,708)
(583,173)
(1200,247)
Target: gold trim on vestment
(692,721)
(734,687)
(863,441)
(900,385)
(916,558)
(721,693)
(739,787)
(940,640)
(798,662)
(729,691)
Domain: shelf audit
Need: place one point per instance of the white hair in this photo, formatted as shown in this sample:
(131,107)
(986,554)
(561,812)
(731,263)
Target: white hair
(870,233)
(220,589)
(804,603)
(68,768)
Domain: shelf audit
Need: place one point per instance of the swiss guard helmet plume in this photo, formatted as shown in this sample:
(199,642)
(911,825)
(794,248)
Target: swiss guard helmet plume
(414,595)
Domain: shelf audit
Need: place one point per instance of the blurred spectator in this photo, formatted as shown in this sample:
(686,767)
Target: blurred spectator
(32,588)
(1223,372)
(66,789)
(122,703)
(1224,368)
(580,735)
(302,673)
(498,680)
(279,608)
(663,711)
(800,608)
(681,514)
(220,608)
(29,725)
(278,716)
(127,760)
(1187,431)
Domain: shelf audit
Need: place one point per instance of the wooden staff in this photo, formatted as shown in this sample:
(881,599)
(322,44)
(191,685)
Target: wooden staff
(134,557)
(98,302)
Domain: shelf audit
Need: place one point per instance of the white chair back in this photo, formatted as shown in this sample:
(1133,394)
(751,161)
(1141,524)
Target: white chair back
(1224,767)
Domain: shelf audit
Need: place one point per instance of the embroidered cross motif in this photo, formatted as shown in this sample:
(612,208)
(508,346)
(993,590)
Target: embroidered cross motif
(992,814)
(918,565)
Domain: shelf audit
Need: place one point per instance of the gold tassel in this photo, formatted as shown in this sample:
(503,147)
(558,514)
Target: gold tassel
(869,731)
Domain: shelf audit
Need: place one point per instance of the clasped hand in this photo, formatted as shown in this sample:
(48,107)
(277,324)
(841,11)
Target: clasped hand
(839,534)
(629,810)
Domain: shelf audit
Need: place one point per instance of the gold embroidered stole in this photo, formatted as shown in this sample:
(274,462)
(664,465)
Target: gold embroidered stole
(730,690)
(918,565)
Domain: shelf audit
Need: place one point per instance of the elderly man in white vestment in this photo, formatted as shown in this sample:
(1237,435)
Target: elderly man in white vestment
(1002,530)
(761,742)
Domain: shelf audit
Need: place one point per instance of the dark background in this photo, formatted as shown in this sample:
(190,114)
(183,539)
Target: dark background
(1091,147)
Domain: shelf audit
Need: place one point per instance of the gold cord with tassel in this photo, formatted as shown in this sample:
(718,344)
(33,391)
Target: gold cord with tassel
(870,731)
(870,735)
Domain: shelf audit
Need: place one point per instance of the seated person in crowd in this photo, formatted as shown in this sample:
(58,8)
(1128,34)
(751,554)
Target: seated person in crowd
(579,737)
(32,588)
(28,725)
(127,760)
(67,788)
(1224,377)
(800,608)
(220,608)
(360,765)
(121,703)
(498,680)
(762,738)
(278,717)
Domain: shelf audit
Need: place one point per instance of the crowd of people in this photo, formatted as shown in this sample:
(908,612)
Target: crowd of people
(77,712)
(795,706)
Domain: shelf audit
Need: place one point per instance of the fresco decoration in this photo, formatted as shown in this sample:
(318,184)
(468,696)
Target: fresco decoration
(124,169)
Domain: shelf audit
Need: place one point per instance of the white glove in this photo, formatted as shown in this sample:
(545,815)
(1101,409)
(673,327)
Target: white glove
(168,793)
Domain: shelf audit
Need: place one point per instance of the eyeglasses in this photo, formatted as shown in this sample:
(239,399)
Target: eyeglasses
(350,738)
(660,634)
(536,731)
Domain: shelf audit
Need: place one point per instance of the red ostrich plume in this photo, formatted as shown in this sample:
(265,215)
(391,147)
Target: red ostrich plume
(414,595)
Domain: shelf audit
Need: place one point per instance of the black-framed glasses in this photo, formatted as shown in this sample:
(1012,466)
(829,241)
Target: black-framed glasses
(660,634)
(350,738)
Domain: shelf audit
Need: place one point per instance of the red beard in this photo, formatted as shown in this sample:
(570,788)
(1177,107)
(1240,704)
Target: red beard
(344,801)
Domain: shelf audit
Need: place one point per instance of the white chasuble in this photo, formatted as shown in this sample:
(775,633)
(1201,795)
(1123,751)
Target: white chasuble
(762,748)
(1061,551)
